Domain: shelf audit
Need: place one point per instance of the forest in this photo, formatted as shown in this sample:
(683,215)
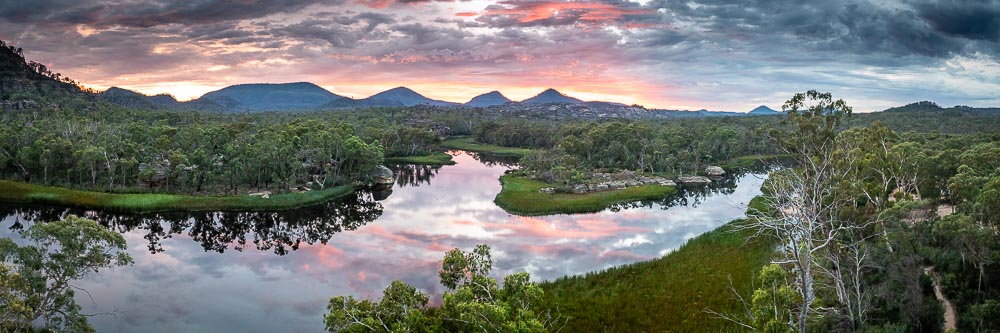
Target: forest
(872,213)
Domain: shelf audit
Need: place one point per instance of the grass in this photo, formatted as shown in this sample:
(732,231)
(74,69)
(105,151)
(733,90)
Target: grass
(669,294)
(469,144)
(16,192)
(435,158)
(520,196)
(751,160)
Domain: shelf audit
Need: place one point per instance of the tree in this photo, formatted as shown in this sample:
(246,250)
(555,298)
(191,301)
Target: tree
(807,203)
(38,277)
(400,310)
(474,302)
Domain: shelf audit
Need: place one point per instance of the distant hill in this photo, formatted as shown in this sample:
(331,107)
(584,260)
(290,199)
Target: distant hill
(18,75)
(134,100)
(763,111)
(931,107)
(551,96)
(272,97)
(403,96)
(488,99)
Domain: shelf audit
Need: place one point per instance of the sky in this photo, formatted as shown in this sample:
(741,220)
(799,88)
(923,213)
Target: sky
(675,54)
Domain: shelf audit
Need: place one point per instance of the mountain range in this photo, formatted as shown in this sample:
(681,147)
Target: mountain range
(305,96)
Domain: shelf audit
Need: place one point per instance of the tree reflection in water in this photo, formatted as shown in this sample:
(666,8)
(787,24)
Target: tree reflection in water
(492,160)
(278,231)
(414,174)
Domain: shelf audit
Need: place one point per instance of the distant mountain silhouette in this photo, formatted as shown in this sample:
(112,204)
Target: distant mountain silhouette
(404,96)
(488,99)
(131,99)
(551,96)
(763,111)
(272,97)
(17,74)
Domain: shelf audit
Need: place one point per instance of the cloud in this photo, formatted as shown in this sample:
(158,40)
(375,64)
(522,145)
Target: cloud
(527,13)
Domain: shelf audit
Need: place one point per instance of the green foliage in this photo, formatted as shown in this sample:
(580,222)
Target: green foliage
(402,309)
(520,196)
(38,276)
(474,302)
(669,294)
(469,144)
(148,202)
(435,158)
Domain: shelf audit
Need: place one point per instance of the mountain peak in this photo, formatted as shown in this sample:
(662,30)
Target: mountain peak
(551,95)
(763,110)
(404,96)
(488,99)
(275,96)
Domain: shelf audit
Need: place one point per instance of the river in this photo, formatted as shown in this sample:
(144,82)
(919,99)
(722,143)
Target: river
(274,272)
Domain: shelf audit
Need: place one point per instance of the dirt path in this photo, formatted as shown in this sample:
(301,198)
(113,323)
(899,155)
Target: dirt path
(949,309)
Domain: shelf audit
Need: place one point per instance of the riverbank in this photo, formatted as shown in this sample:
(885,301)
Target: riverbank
(470,144)
(521,196)
(15,192)
(435,158)
(751,160)
(669,294)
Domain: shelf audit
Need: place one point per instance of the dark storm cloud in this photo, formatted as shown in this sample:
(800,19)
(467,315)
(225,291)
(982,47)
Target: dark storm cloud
(146,13)
(978,20)
(927,29)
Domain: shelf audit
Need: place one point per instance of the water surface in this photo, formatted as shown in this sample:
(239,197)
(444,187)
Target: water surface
(274,272)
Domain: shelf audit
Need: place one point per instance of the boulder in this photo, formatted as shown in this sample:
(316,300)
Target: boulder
(582,188)
(632,183)
(715,171)
(383,176)
(547,190)
(667,182)
(600,187)
(616,185)
(694,180)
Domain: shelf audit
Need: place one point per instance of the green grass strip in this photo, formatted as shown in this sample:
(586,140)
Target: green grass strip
(669,294)
(520,196)
(17,192)
(435,158)
(469,144)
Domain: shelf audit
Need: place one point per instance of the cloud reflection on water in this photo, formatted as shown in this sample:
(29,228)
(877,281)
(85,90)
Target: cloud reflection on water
(187,287)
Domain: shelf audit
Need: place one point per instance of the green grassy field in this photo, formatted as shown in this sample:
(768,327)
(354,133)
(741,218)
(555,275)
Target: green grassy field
(750,160)
(520,196)
(669,294)
(436,158)
(16,192)
(469,144)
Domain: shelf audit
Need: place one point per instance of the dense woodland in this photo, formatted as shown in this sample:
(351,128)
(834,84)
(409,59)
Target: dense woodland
(857,219)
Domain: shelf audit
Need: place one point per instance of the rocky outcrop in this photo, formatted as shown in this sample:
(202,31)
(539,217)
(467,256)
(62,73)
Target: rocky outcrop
(382,176)
(18,105)
(715,171)
(608,185)
(693,180)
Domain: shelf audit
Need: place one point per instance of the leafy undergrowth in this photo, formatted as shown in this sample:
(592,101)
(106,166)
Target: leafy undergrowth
(469,144)
(16,192)
(520,196)
(435,158)
(751,160)
(669,294)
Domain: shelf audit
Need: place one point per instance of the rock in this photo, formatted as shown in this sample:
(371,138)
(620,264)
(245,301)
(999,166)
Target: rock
(547,190)
(715,171)
(582,188)
(383,176)
(264,194)
(667,182)
(616,185)
(694,180)
(600,187)
(632,183)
